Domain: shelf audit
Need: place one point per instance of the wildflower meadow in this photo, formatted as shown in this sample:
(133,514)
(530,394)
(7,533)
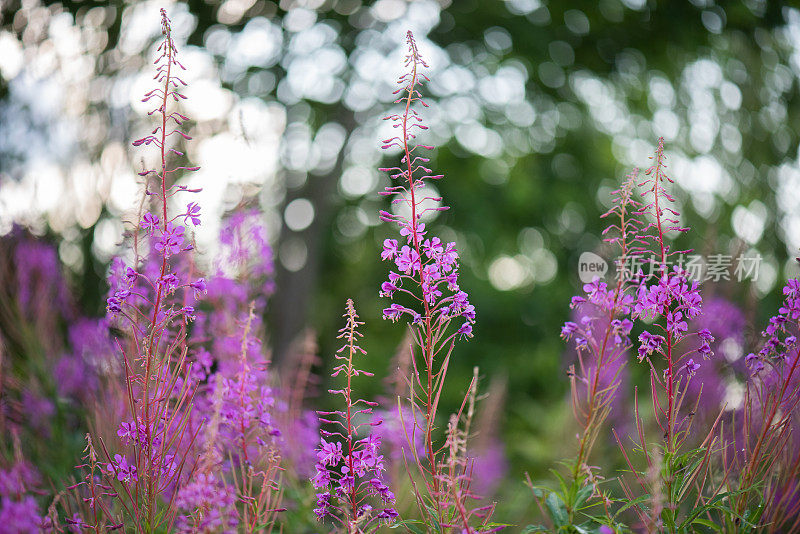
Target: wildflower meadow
(198,357)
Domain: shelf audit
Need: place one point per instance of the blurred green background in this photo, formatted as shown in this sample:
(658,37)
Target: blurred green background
(538,109)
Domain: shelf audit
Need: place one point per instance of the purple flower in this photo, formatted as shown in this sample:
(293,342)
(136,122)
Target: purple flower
(322,478)
(648,343)
(449,256)
(676,325)
(406,231)
(113,305)
(149,222)
(705,336)
(381,490)
(433,247)
(469,312)
(431,294)
(389,249)
(346,481)
(120,467)
(408,261)
(576,301)
(568,329)
(193,213)
(596,292)
(705,350)
(170,282)
(323,505)
(388,513)
(127,431)
(199,287)
(131,276)
(692,367)
(329,453)
(171,240)
(621,328)
(393,312)
(465,330)
(387,289)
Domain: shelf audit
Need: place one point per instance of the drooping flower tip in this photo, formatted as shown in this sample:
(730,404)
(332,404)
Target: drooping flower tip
(165,22)
(413,50)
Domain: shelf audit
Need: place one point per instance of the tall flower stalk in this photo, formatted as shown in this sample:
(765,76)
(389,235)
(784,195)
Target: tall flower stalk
(600,338)
(427,270)
(147,300)
(669,299)
(349,469)
(665,299)
(765,457)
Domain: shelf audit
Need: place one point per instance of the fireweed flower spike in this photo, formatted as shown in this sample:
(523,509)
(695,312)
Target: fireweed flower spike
(766,451)
(147,303)
(669,299)
(349,470)
(423,262)
(599,336)
(426,268)
(674,298)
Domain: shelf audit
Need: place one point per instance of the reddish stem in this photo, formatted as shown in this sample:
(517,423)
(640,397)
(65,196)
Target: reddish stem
(428,348)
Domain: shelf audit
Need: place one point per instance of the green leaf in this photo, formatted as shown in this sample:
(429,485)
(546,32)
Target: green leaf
(634,502)
(714,504)
(706,523)
(408,524)
(534,528)
(555,505)
(562,483)
(495,525)
(583,494)
(686,479)
(433,520)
